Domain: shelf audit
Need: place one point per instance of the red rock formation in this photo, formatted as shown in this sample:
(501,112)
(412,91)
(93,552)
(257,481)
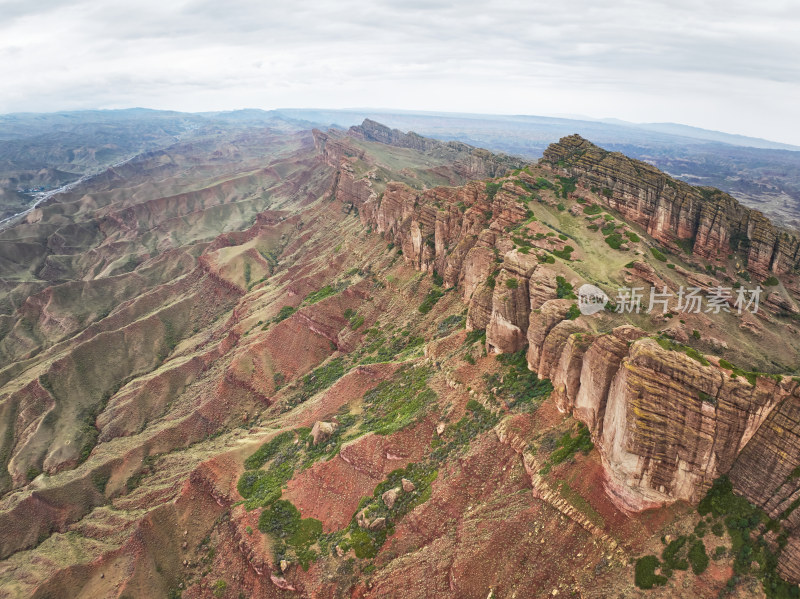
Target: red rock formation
(508,322)
(672,211)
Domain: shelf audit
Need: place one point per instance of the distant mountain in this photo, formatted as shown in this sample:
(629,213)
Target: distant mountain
(709,135)
(606,129)
(760,173)
(42,152)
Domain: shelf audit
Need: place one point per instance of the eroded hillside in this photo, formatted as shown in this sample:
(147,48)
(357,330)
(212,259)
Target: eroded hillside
(321,365)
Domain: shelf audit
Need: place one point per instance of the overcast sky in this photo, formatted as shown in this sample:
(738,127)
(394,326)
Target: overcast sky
(726,65)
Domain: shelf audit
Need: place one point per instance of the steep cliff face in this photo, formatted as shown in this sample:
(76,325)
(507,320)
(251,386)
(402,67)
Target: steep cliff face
(511,304)
(767,473)
(666,425)
(672,425)
(673,211)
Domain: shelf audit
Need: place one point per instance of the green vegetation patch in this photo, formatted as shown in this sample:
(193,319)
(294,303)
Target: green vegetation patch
(592,209)
(269,450)
(658,255)
(751,377)
(365,542)
(747,526)
(356,322)
(567,446)
(743,521)
(319,379)
(566,253)
(385,345)
(568,185)
(262,487)
(673,556)
(633,236)
(645,575)
(219,588)
(458,435)
(491,189)
(672,345)
(294,535)
(450,324)
(398,402)
(434,295)
(515,385)
(564,289)
(698,558)
(318,296)
(573,312)
(284,313)
(615,241)
(475,335)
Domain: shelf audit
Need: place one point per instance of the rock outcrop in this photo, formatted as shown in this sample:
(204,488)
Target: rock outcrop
(672,425)
(666,425)
(511,304)
(468,161)
(674,212)
(322,431)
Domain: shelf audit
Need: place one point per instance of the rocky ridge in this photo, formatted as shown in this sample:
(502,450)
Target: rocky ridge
(712,222)
(467,160)
(156,508)
(666,424)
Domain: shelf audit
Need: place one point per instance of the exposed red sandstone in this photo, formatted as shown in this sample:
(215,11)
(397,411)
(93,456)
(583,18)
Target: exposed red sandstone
(673,211)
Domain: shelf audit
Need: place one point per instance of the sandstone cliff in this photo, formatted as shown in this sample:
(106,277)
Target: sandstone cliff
(672,211)
(666,424)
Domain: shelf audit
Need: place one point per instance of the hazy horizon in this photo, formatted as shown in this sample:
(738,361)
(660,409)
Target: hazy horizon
(727,67)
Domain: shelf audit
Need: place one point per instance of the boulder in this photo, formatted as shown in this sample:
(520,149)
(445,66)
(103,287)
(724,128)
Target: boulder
(322,431)
(390,496)
(378,524)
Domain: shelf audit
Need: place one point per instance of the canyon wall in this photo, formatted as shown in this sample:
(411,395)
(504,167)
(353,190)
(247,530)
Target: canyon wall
(674,212)
(665,424)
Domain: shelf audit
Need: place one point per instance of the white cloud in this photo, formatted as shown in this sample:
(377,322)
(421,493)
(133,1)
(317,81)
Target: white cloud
(722,65)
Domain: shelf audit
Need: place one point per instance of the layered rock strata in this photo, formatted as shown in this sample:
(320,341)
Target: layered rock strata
(665,424)
(674,212)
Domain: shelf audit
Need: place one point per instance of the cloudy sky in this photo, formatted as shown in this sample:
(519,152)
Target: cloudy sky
(727,65)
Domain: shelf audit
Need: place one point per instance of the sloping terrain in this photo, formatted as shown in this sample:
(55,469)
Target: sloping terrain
(327,364)
(761,174)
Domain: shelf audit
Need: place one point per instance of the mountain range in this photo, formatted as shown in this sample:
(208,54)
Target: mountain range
(252,355)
